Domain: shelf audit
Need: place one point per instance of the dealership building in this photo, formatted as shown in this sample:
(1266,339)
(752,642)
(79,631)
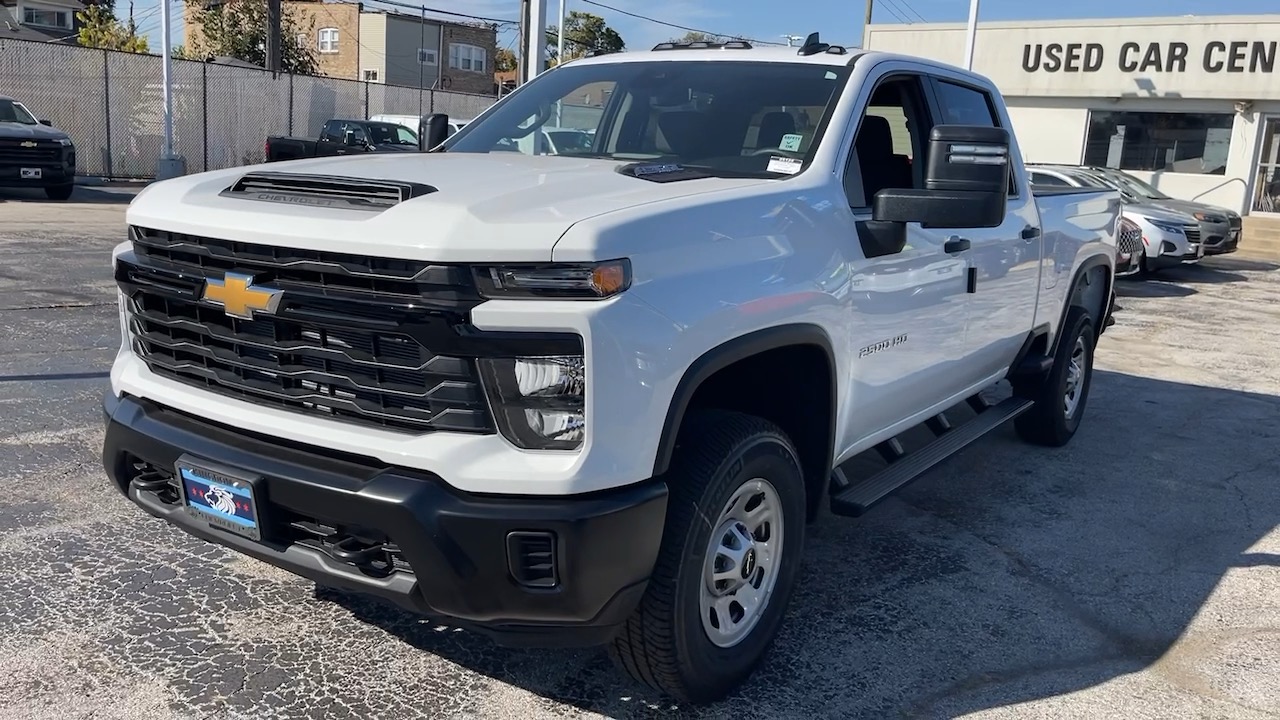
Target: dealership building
(1190,104)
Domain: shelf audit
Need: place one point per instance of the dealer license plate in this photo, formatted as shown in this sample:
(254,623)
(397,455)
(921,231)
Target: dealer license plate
(30,173)
(222,497)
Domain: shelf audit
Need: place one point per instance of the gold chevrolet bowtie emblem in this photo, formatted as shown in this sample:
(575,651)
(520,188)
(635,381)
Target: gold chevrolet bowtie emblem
(29,143)
(239,297)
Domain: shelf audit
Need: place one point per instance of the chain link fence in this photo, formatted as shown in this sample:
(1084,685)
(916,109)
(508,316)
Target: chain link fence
(112,105)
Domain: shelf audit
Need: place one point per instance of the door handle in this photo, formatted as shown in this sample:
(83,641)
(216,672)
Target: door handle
(956,244)
(1030,232)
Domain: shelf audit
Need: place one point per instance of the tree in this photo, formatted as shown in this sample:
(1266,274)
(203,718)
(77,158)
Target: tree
(238,29)
(583,33)
(694,36)
(505,60)
(99,28)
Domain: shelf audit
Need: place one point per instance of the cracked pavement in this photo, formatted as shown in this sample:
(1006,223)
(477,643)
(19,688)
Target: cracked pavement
(1133,574)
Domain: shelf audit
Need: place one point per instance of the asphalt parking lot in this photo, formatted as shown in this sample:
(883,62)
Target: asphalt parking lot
(1132,574)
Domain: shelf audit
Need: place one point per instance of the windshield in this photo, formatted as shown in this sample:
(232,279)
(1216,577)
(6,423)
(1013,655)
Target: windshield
(388,134)
(1133,185)
(733,119)
(11,111)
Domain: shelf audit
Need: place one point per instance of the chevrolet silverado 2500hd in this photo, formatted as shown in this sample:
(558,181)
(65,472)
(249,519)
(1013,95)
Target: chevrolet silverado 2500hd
(594,397)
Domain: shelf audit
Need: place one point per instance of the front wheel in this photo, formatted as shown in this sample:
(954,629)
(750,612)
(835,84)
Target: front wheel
(1060,396)
(730,555)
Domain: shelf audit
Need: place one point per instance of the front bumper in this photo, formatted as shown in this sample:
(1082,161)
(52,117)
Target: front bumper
(404,535)
(1227,241)
(52,174)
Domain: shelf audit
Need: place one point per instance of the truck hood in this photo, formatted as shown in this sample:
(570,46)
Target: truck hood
(23,131)
(497,206)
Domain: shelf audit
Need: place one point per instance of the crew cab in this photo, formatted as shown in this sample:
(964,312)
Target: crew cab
(34,154)
(344,137)
(596,397)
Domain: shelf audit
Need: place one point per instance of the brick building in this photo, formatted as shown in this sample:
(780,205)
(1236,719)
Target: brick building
(354,42)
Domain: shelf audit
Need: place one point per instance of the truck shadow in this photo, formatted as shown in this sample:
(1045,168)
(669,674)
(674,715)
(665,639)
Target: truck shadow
(1010,575)
(82,195)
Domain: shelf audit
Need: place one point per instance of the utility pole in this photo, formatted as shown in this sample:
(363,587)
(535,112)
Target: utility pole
(972,34)
(274,51)
(535,50)
(866,18)
(560,36)
(524,41)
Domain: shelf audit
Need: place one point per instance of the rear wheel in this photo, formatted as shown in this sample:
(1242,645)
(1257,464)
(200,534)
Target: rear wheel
(730,555)
(1060,395)
(59,192)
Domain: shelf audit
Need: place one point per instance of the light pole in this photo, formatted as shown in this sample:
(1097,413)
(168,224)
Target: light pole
(972,34)
(169,165)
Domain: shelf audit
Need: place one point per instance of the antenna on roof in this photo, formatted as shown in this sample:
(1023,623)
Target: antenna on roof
(812,46)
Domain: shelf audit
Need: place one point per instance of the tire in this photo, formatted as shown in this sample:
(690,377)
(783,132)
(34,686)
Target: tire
(1056,415)
(667,643)
(59,192)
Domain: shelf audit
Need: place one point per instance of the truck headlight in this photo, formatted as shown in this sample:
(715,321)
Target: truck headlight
(538,402)
(555,280)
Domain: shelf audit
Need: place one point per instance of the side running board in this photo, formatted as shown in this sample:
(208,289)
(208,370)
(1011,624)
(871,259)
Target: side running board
(856,499)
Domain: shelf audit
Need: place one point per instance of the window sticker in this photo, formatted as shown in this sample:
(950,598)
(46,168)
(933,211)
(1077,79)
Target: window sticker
(785,165)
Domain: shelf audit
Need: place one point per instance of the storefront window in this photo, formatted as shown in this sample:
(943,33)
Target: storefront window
(1156,141)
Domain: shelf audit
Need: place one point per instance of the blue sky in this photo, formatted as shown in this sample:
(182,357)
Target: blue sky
(838,20)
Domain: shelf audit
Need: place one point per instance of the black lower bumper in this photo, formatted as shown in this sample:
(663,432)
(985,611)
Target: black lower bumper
(404,535)
(51,175)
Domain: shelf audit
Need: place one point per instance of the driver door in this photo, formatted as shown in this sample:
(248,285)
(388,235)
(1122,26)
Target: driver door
(907,310)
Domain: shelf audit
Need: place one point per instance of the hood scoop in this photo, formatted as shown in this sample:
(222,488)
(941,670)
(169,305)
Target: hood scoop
(325,190)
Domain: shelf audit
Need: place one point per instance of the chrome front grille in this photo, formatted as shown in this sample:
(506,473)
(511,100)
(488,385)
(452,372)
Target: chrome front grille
(1129,240)
(346,343)
(1193,233)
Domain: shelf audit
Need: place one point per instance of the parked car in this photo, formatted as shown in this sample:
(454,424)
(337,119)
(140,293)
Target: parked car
(413,122)
(344,137)
(596,398)
(1169,237)
(549,141)
(1220,228)
(33,153)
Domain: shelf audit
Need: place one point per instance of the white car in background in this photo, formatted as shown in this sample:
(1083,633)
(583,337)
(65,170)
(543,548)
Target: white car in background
(1168,238)
(412,122)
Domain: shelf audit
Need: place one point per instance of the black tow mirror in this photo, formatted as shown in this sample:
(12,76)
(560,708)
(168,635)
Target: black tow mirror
(966,182)
(432,130)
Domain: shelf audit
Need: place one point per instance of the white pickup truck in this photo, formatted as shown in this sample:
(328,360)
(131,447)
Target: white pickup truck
(594,398)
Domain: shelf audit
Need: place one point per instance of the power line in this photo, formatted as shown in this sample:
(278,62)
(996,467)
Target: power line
(894,11)
(445,12)
(681,27)
(906,7)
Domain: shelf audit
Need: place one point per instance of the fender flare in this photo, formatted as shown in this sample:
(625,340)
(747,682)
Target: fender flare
(1091,262)
(727,353)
